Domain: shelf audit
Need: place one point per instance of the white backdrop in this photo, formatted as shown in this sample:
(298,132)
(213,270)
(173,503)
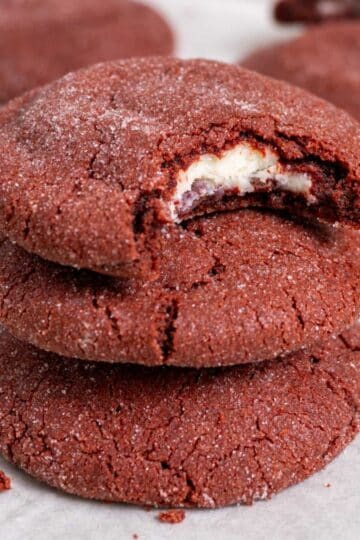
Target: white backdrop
(225,30)
(221,29)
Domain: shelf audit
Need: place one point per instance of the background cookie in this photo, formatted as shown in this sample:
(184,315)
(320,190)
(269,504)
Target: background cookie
(93,165)
(40,40)
(235,287)
(325,60)
(310,11)
(177,437)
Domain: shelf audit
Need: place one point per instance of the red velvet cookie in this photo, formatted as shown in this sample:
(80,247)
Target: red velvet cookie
(325,60)
(312,11)
(93,165)
(41,40)
(164,436)
(235,287)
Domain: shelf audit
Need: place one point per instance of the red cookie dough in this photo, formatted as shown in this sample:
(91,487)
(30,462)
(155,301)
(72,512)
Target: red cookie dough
(235,287)
(41,40)
(170,437)
(311,11)
(325,60)
(93,165)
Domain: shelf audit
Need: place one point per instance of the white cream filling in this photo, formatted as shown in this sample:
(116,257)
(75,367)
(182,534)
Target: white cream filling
(238,170)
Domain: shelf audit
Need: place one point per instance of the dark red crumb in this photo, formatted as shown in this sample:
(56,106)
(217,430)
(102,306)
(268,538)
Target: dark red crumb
(327,485)
(135,537)
(171,516)
(4,482)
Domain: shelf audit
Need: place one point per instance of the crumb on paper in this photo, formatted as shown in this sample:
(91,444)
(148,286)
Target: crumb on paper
(327,485)
(135,536)
(171,516)
(5,483)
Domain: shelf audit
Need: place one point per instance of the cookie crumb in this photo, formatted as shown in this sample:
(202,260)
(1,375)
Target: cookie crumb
(171,516)
(327,485)
(5,483)
(135,537)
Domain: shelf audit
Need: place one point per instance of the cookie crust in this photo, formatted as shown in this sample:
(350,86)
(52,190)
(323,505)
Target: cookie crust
(177,438)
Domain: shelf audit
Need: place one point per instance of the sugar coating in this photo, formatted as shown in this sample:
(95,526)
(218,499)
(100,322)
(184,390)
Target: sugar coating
(234,287)
(178,438)
(122,131)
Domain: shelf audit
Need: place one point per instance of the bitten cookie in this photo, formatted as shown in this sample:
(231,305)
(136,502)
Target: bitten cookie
(171,437)
(235,287)
(93,165)
(325,60)
(41,40)
(312,11)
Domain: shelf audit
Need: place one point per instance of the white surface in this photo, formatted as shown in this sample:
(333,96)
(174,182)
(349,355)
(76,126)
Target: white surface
(222,29)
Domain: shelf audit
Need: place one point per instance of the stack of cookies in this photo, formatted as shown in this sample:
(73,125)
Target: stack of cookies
(180,307)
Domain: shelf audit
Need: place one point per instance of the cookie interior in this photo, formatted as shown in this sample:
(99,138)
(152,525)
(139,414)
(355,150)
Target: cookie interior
(249,172)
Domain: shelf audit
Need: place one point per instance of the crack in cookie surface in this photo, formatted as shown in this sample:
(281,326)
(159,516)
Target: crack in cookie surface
(169,437)
(234,288)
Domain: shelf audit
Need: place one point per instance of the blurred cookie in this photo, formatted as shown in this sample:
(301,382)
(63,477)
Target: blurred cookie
(94,164)
(325,60)
(312,11)
(169,437)
(41,40)
(234,287)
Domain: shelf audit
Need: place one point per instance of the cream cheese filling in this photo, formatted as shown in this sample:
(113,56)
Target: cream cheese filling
(240,169)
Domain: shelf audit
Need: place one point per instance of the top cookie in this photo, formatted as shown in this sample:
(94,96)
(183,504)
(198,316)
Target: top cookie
(325,60)
(94,164)
(310,11)
(41,40)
